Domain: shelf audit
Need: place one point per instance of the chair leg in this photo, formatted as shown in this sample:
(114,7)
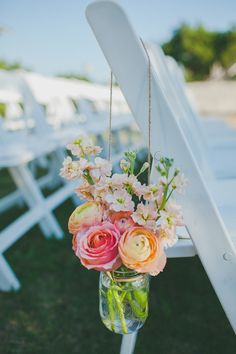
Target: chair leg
(8,279)
(128,343)
(33,195)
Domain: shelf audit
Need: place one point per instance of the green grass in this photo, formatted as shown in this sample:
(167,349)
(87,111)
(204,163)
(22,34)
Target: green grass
(56,310)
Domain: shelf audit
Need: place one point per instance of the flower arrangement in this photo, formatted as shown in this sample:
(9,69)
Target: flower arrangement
(123,227)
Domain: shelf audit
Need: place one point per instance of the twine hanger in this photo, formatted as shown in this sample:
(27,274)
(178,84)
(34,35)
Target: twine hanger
(149,112)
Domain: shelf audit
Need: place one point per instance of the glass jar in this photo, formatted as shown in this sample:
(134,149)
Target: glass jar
(123,300)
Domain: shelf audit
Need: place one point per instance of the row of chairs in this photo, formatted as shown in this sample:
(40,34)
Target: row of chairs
(209,205)
(36,139)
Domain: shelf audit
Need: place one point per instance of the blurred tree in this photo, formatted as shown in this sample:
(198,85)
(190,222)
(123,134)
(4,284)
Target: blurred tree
(4,65)
(74,76)
(228,55)
(2,110)
(198,49)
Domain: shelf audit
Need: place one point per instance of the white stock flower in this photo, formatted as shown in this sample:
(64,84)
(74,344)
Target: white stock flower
(120,200)
(162,181)
(167,236)
(133,186)
(85,191)
(92,149)
(104,166)
(124,165)
(179,183)
(84,164)
(145,215)
(83,146)
(118,180)
(101,189)
(75,149)
(171,215)
(70,169)
(153,192)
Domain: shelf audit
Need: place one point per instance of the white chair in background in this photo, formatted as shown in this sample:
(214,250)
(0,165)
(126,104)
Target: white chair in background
(206,154)
(17,150)
(223,187)
(73,103)
(216,131)
(214,243)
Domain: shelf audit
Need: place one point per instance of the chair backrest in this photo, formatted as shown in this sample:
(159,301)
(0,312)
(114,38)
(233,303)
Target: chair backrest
(32,110)
(128,61)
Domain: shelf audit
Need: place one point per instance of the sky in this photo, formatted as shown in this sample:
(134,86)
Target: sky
(53,37)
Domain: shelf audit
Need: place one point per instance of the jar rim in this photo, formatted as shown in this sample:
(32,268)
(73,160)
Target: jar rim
(126,275)
(126,271)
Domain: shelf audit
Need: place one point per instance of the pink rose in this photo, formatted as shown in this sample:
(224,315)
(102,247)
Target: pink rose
(122,220)
(97,247)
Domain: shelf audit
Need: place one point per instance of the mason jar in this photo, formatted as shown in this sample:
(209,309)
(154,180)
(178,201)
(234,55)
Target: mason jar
(123,300)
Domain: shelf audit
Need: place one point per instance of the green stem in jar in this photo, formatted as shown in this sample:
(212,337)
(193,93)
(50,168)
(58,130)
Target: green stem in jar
(140,309)
(122,295)
(141,298)
(120,311)
(111,309)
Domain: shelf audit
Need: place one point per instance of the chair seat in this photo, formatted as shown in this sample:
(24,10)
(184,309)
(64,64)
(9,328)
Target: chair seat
(228,214)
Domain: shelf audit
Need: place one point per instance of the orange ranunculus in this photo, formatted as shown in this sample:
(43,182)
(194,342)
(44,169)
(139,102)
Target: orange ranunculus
(122,220)
(140,250)
(85,215)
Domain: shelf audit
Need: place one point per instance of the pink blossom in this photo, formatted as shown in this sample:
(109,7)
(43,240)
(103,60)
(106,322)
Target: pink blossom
(122,220)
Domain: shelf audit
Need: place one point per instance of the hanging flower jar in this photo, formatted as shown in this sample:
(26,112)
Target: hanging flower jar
(123,300)
(123,229)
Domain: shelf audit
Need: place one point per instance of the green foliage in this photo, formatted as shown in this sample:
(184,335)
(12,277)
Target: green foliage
(74,76)
(198,49)
(4,65)
(2,109)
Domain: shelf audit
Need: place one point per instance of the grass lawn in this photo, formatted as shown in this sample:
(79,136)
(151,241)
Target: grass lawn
(56,310)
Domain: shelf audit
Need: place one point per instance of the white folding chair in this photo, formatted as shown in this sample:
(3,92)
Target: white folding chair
(189,121)
(216,131)
(214,244)
(17,150)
